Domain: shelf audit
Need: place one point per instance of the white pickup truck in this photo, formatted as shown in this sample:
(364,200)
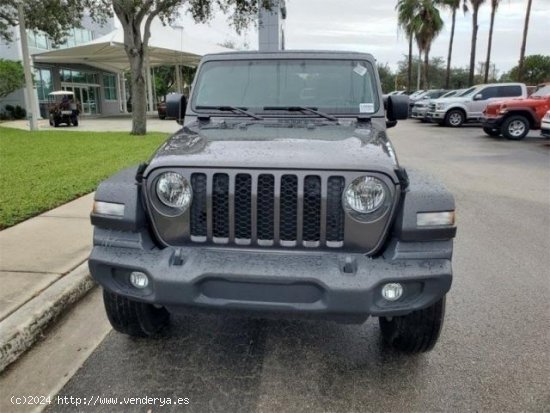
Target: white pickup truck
(469,106)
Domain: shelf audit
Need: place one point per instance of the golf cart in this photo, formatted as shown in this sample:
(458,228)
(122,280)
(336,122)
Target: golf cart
(63,108)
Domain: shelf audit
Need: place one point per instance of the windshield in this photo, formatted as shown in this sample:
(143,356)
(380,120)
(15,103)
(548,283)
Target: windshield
(542,92)
(336,86)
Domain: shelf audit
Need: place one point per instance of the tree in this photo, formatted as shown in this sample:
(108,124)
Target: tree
(454,5)
(524,41)
(387,78)
(494,7)
(475,5)
(164,79)
(53,17)
(428,24)
(536,70)
(136,17)
(405,14)
(11,77)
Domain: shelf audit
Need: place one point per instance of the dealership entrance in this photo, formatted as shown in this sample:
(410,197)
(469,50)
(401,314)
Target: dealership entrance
(86,94)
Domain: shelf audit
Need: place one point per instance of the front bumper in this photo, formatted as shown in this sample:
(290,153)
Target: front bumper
(492,122)
(340,286)
(419,112)
(436,116)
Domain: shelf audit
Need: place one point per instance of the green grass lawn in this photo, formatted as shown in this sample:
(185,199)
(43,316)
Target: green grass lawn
(42,170)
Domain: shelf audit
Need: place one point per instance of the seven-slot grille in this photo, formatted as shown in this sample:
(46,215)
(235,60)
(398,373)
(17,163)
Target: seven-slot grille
(256,208)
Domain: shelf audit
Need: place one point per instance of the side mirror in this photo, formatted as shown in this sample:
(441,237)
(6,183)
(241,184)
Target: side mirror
(176,104)
(479,96)
(397,108)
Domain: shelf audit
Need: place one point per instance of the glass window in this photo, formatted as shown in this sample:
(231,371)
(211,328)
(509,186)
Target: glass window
(509,91)
(488,93)
(44,86)
(329,85)
(109,86)
(91,78)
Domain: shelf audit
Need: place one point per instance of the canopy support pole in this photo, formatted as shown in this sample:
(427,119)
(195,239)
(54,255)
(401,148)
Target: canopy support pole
(123,92)
(178,79)
(150,105)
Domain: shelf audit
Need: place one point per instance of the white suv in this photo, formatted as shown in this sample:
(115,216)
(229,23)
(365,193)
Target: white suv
(469,106)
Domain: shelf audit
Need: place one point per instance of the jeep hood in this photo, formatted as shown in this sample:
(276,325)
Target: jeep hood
(279,144)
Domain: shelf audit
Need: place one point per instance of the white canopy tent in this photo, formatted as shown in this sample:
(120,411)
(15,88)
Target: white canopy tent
(167,46)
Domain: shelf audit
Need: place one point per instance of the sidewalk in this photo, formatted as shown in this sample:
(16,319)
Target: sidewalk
(42,271)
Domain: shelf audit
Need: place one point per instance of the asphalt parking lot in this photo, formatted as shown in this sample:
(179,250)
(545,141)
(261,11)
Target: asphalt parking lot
(493,354)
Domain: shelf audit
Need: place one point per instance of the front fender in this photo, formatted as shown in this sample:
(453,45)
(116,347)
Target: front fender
(424,194)
(121,188)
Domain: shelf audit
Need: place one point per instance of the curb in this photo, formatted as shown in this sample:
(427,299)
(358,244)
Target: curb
(20,330)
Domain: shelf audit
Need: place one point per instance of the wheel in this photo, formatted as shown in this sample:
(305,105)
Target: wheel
(515,127)
(454,118)
(162,117)
(75,122)
(416,332)
(491,131)
(55,123)
(133,317)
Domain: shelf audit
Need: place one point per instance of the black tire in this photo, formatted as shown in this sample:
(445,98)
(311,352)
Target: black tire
(133,317)
(416,332)
(162,117)
(491,131)
(515,127)
(75,122)
(455,118)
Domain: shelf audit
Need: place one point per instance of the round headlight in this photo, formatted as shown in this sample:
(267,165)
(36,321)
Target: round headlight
(365,194)
(174,190)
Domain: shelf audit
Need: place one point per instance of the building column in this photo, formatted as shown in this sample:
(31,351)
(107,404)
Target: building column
(178,79)
(150,103)
(123,92)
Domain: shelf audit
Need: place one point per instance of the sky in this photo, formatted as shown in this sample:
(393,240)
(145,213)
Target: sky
(371,26)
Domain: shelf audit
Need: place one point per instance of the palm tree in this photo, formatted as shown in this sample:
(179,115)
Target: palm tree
(524,42)
(476,4)
(494,7)
(405,14)
(454,5)
(428,24)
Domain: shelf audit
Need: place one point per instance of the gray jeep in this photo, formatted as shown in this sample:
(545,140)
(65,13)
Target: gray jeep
(280,196)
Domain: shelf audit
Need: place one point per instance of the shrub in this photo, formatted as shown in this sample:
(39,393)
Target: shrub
(19,113)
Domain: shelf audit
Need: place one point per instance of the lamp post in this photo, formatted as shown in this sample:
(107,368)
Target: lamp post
(29,86)
(178,67)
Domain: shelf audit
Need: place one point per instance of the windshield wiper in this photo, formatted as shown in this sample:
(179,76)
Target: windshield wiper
(234,109)
(303,109)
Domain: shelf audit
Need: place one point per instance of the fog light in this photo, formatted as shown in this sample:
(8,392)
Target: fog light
(139,280)
(392,291)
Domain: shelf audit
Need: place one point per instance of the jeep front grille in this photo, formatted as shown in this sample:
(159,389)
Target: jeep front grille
(266,209)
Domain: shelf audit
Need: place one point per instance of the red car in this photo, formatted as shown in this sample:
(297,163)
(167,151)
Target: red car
(513,118)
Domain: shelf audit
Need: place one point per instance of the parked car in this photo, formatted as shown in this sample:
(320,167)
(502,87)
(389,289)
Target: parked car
(280,209)
(513,118)
(545,125)
(62,108)
(425,97)
(469,106)
(420,107)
